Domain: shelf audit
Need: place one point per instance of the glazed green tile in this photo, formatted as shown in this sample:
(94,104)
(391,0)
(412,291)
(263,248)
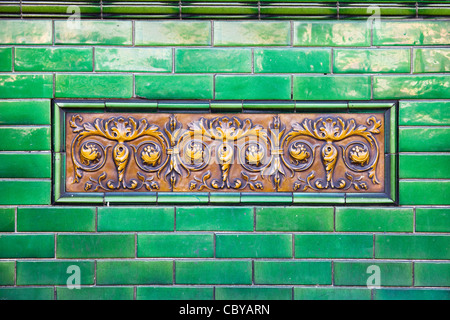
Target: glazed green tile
(53,272)
(213,60)
(276,198)
(225,107)
(98,32)
(175,245)
(411,294)
(95,246)
(252,33)
(412,247)
(424,113)
(17,165)
(149,106)
(331,294)
(7,219)
(27,246)
(418,139)
(27,293)
(19,86)
(182,198)
(371,61)
(331,33)
(213,272)
(294,219)
(126,198)
(94,86)
(166,107)
(322,198)
(175,33)
(135,219)
(24,192)
(134,272)
(253,87)
(333,246)
(174,293)
(24,138)
(62,219)
(133,59)
(214,218)
(374,219)
(24,112)
(253,246)
(7,271)
(174,86)
(421,192)
(412,33)
(432,220)
(26,32)
(424,166)
(415,87)
(293,272)
(292,60)
(331,88)
(431,274)
(95,293)
(431,60)
(280,107)
(358,273)
(254,293)
(5,59)
(53,59)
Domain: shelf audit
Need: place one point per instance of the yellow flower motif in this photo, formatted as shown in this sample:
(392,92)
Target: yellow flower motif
(298,153)
(89,153)
(150,156)
(359,156)
(194,153)
(254,155)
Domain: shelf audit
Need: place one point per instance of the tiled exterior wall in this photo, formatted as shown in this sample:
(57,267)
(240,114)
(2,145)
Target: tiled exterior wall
(234,251)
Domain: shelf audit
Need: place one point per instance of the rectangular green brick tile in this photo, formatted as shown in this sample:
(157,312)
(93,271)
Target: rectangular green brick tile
(134,272)
(95,293)
(424,166)
(213,272)
(358,273)
(7,219)
(135,219)
(372,61)
(95,246)
(253,87)
(424,139)
(411,294)
(292,60)
(424,192)
(94,86)
(174,87)
(174,293)
(431,274)
(5,59)
(412,87)
(175,245)
(292,272)
(432,220)
(63,219)
(27,293)
(331,88)
(424,113)
(133,59)
(333,246)
(412,33)
(294,219)
(24,192)
(7,270)
(19,86)
(412,247)
(27,246)
(214,218)
(254,246)
(431,60)
(332,294)
(26,32)
(253,293)
(94,32)
(213,60)
(54,272)
(17,165)
(374,219)
(252,33)
(173,33)
(13,112)
(53,59)
(24,138)
(331,33)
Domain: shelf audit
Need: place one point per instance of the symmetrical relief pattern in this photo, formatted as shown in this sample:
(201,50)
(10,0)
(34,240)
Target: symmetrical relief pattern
(209,152)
